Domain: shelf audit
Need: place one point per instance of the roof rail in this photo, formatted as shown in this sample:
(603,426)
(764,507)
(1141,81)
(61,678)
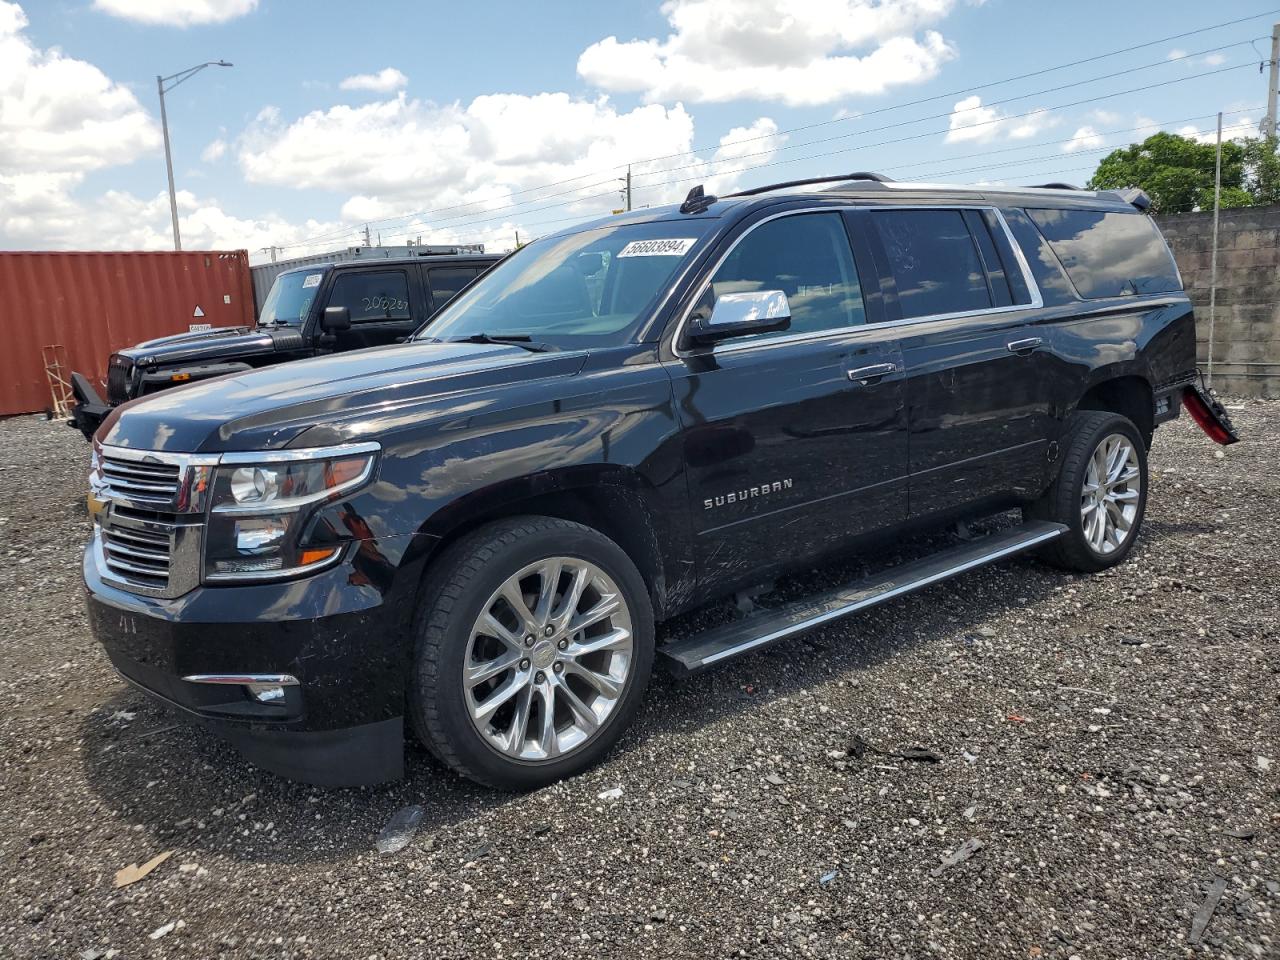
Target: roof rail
(1052,186)
(860,175)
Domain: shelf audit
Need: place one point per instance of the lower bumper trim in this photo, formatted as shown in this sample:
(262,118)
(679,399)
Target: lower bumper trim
(352,757)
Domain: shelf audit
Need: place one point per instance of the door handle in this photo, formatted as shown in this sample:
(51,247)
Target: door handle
(1024,347)
(865,375)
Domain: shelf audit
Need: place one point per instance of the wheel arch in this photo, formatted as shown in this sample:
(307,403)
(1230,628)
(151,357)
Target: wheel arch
(1127,394)
(611,500)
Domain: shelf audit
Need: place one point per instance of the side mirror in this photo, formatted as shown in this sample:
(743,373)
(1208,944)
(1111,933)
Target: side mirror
(742,314)
(336,319)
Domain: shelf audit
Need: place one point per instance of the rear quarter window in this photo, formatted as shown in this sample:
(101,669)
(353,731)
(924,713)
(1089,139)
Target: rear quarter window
(1108,254)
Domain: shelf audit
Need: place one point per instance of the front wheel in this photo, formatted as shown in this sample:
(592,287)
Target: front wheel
(535,643)
(1100,494)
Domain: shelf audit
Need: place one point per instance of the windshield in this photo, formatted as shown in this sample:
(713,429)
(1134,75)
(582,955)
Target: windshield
(592,288)
(289,299)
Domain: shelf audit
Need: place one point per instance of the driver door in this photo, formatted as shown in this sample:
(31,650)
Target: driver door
(794,440)
(383,304)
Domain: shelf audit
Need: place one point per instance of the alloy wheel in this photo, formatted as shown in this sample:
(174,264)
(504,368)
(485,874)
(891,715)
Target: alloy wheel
(548,659)
(1111,493)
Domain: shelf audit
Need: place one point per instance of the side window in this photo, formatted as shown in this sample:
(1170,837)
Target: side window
(934,261)
(372,297)
(447,281)
(1109,254)
(807,256)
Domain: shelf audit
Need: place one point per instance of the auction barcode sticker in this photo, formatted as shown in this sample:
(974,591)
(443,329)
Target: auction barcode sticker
(675,247)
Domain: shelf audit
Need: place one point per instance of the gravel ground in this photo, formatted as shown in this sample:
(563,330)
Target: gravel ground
(1112,742)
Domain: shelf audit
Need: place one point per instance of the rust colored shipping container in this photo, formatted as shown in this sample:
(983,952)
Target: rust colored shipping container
(93,303)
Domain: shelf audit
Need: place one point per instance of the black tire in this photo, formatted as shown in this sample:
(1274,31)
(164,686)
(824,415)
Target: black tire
(457,586)
(1061,503)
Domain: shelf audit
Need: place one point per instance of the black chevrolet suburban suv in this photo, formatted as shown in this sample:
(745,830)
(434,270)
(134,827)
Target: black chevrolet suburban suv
(320,308)
(477,530)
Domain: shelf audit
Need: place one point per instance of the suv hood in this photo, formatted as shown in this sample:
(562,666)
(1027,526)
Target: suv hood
(268,408)
(221,343)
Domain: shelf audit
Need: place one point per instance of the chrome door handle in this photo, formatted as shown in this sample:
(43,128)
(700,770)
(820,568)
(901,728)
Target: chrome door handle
(1024,346)
(865,375)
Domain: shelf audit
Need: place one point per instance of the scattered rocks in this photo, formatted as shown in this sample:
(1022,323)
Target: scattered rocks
(679,844)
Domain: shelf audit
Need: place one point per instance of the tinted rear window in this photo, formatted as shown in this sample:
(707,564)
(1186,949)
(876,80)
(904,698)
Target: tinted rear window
(934,261)
(1109,254)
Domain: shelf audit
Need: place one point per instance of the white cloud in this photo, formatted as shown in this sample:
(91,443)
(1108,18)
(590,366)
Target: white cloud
(1214,60)
(1085,138)
(60,119)
(799,52)
(384,81)
(215,151)
(971,122)
(176,13)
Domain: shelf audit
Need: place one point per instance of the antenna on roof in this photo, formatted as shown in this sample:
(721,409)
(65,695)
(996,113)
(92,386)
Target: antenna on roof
(697,201)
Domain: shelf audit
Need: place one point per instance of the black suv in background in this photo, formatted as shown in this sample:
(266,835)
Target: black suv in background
(477,530)
(315,309)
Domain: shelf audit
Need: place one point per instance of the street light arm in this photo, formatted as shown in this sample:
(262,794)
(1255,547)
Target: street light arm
(187,74)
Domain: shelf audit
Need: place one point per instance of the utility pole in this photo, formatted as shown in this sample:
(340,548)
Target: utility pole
(1273,80)
(368,237)
(1217,198)
(177,78)
(626,189)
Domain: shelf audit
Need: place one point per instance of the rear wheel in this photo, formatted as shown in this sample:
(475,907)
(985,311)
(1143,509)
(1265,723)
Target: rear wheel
(1100,494)
(535,643)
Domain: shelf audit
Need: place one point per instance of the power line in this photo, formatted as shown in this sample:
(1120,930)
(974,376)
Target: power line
(879,110)
(1163,123)
(858,133)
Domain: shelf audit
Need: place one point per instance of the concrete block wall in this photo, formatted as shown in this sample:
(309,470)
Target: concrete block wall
(1246,339)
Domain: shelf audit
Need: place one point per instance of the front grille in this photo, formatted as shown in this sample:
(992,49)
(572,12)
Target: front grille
(141,480)
(139,554)
(119,371)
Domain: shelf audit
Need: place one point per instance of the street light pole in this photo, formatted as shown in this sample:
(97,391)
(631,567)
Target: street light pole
(177,78)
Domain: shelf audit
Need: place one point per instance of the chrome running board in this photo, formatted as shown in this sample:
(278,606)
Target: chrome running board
(718,644)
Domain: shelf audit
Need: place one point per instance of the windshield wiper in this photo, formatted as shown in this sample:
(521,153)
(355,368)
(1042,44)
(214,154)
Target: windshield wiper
(505,339)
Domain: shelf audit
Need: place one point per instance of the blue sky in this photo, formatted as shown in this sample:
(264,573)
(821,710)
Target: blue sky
(466,110)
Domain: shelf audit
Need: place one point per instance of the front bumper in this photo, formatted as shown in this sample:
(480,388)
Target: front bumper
(342,638)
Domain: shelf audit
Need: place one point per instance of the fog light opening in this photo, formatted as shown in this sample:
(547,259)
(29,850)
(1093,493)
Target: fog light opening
(265,692)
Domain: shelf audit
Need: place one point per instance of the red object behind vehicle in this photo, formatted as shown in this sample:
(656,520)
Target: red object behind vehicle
(96,302)
(1209,415)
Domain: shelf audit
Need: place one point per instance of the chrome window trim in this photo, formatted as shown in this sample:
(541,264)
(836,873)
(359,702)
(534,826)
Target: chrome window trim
(1033,288)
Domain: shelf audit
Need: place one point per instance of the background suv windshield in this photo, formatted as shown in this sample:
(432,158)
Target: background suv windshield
(586,289)
(290,298)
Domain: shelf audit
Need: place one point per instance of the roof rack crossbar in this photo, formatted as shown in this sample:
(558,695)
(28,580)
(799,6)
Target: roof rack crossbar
(859,175)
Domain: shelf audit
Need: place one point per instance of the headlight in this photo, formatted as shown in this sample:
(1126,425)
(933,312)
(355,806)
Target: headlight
(261,503)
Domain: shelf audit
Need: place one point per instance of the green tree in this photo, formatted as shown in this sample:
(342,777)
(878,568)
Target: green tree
(1177,172)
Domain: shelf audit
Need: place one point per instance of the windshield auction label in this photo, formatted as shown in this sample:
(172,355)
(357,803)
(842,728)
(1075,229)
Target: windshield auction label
(312,280)
(658,248)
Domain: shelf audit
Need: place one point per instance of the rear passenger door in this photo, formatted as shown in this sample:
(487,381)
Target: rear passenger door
(444,283)
(978,408)
(787,455)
